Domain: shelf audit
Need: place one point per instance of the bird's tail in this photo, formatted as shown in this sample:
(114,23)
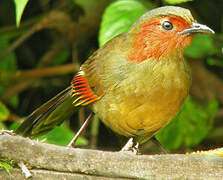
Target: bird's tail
(49,115)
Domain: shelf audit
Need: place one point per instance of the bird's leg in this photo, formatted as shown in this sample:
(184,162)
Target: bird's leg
(84,125)
(155,141)
(131,146)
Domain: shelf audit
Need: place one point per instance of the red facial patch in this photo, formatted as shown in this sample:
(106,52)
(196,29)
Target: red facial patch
(82,90)
(151,41)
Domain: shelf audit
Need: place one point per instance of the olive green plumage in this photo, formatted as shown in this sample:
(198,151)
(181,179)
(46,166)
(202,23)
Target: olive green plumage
(140,78)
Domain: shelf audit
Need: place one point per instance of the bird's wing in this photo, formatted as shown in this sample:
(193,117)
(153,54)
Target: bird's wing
(101,71)
(87,86)
(48,116)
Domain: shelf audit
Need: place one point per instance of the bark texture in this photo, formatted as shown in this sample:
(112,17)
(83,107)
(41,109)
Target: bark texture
(48,161)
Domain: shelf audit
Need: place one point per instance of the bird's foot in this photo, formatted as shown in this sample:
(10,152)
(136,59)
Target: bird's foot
(130,146)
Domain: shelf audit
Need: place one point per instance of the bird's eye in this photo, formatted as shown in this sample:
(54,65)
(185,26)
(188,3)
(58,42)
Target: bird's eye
(167,25)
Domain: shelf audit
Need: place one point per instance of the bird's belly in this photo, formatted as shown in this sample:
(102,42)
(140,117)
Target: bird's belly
(139,115)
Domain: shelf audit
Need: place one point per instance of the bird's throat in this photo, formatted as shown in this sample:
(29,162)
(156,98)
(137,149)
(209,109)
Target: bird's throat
(156,48)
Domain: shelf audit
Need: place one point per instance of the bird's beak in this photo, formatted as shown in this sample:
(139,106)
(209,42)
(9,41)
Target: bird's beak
(197,28)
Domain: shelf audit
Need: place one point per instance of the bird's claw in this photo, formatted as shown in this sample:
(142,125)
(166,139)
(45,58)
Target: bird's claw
(130,146)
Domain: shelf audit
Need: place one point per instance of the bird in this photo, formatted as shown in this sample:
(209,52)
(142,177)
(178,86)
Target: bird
(135,83)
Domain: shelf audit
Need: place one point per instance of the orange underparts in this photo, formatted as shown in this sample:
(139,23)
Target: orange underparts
(82,91)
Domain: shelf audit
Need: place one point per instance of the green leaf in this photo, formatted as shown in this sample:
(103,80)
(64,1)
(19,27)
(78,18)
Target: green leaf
(62,136)
(190,126)
(176,1)
(4,112)
(202,44)
(118,18)
(19,8)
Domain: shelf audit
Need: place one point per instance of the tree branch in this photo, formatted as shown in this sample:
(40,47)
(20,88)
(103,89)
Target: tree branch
(18,76)
(108,164)
(41,174)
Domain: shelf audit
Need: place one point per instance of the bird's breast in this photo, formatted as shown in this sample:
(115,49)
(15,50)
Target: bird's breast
(146,100)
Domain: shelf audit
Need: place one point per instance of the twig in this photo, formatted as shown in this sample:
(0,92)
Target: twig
(24,169)
(219,113)
(20,40)
(53,52)
(25,24)
(13,117)
(15,89)
(17,76)
(46,58)
(25,76)
(52,20)
(32,74)
(57,19)
(51,71)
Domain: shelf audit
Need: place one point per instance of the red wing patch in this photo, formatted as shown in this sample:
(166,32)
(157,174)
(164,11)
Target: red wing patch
(82,90)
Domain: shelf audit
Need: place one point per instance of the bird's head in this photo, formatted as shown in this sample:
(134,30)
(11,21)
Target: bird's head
(163,32)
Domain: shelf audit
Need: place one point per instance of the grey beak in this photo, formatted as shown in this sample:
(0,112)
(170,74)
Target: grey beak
(197,28)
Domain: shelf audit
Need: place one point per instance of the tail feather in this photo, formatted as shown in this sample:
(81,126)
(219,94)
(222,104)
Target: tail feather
(49,115)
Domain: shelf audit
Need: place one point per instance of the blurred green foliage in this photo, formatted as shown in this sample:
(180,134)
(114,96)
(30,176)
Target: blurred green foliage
(6,165)
(7,64)
(196,118)
(190,126)
(4,112)
(201,45)
(173,2)
(62,136)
